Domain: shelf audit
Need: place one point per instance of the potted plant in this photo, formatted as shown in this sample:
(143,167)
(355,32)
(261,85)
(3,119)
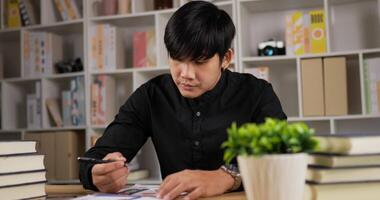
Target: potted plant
(272,157)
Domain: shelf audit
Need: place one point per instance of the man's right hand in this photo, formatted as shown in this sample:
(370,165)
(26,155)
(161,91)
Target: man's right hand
(110,177)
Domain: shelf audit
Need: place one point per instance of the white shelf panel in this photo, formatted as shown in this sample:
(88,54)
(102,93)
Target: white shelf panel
(274,5)
(337,53)
(56,129)
(110,72)
(126,16)
(327,118)
(10,30)
(268,58)
(55,25)
(64,75)
(19,80)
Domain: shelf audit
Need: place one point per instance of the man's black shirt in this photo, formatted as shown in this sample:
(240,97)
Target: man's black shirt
(186,133)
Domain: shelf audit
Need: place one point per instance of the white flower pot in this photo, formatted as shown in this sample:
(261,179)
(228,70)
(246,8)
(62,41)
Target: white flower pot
(274,177)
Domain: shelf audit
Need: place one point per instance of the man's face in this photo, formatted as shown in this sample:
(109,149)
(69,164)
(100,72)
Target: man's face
(195,78)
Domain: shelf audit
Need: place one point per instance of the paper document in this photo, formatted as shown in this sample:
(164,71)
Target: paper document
(135,192)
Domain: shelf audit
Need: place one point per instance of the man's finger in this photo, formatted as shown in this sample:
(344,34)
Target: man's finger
(101,169)
(195,194)
(115,156)
(172,194)
(169,184)
(115,185)
(100,180)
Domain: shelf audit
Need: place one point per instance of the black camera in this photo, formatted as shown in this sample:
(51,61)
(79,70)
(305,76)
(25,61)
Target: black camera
(271,48)
(70,65)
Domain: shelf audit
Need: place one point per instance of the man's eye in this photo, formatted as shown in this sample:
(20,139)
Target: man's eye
(200,62)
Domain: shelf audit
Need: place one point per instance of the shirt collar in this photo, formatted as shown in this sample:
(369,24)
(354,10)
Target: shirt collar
(211,94)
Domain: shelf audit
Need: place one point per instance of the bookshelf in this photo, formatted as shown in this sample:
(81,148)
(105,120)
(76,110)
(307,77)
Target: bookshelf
(256,21)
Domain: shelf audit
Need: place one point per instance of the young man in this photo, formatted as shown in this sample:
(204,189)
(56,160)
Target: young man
(186,113)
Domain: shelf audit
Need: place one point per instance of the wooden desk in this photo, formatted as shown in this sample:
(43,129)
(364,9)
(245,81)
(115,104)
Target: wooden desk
(61,192)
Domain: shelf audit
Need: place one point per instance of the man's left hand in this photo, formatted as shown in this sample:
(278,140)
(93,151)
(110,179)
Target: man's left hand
(195,184)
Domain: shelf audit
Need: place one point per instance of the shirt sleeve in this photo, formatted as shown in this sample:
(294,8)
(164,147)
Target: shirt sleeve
(268,106)
(126,134)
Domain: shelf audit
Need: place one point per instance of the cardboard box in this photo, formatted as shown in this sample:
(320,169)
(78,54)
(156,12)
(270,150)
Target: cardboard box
(335,85)
(312,87)
(47,148)
(61,150)
(69,145)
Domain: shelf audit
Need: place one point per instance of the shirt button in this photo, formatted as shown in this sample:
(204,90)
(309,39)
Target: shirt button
(198,114)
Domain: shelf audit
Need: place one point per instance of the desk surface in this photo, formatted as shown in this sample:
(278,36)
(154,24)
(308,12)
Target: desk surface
(60,192)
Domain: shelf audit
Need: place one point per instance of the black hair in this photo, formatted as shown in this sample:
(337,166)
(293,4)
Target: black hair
(197,31)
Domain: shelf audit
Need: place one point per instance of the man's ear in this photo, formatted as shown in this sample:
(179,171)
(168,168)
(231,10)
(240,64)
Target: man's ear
(227,59)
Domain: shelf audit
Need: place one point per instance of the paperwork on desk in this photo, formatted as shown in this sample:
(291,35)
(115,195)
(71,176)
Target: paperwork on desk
(135,192)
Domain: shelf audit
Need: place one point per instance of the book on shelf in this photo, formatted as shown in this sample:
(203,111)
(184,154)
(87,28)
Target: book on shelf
(349,144)
(54,111)
(163,4)
(29,191)
(343,174)
(305,32)
(103,100)
(77,101)
(66,108)
(31,111)
(106,47)
(343,191)
(317,32)
(336,160)
(17,147)
(13,14)
(124,6)
(261,72)
(41,50)
(144,49)
(371,74)
(72,9)
(61,9)
(28,12)
(298,33)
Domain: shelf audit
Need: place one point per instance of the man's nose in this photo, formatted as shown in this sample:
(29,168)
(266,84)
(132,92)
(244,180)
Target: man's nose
(187,71)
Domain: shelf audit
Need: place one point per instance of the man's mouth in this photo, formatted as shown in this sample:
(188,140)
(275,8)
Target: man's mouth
(186,86)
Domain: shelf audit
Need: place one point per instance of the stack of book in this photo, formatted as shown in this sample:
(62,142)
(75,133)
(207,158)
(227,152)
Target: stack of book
(346,167)
(33,108)
(103,101)
(22,171)
(41,50)
(371,73)
(305,32)
(21,13)
(106,47)
(68,9)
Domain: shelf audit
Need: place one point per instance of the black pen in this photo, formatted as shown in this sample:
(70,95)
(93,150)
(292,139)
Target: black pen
(97,161)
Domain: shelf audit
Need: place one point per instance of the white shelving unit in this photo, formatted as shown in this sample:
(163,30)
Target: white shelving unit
(353,31)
